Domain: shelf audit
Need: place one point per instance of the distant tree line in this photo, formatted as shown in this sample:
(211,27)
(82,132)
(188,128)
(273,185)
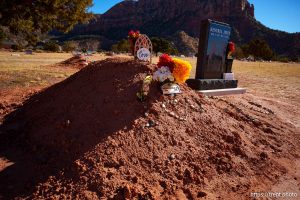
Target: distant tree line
(160,45)
(66,46)
(259,49)
(69,46)
(256,48)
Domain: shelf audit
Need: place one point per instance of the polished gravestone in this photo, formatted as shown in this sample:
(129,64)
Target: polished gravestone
(212,61)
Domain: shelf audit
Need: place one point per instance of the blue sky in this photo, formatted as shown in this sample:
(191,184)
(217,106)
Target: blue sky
(276,14)
(101,6)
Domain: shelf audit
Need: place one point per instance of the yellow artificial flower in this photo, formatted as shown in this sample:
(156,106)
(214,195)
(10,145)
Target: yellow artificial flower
(182,70)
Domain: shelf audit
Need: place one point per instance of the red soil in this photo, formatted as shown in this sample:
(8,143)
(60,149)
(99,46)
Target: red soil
(88,137)
(78,62)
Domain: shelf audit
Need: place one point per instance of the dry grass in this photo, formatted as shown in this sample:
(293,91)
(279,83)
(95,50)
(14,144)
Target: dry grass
(276,80)
(18,70)
(31,70)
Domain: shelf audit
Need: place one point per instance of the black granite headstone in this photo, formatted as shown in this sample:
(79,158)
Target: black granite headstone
(213,41)
(212,57)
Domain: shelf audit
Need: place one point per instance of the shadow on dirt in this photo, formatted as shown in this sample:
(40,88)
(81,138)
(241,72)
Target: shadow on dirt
(60,124)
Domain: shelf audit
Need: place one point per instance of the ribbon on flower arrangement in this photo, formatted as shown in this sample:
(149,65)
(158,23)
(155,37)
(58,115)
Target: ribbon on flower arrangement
(142,95)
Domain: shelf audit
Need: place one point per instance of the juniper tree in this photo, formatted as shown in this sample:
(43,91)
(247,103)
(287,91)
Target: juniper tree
(31,18)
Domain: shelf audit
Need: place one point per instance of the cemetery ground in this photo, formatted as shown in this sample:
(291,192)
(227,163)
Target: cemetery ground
(22,75)
(258,133)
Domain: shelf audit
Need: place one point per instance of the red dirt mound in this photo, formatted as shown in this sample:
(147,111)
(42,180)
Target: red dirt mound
(89,137)
(77,61)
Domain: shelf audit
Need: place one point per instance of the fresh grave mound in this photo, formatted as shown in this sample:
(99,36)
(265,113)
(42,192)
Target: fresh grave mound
(77,61)
(89,137)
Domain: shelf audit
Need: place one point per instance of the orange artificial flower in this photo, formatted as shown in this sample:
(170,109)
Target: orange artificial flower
(182,70)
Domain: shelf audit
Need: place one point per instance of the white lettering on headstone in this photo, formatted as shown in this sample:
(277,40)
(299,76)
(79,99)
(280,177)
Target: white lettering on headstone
(219,32)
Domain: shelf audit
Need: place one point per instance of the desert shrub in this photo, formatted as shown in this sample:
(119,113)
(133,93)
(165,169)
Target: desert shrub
(38,51)
(121,47)
(239,53)
(17,47)
(283,59)
(51,46)
(69,46)
(84,50)
(295,58)
(2,35)
(259,49)
(164,46)
(89,44)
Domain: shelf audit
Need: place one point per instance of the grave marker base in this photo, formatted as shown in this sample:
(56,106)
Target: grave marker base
(211,84)
(223,92)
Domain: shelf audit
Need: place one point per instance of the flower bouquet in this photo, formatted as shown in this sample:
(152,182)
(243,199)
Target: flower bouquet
(171,71)
(132,37)
(230,50)
(229,59)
